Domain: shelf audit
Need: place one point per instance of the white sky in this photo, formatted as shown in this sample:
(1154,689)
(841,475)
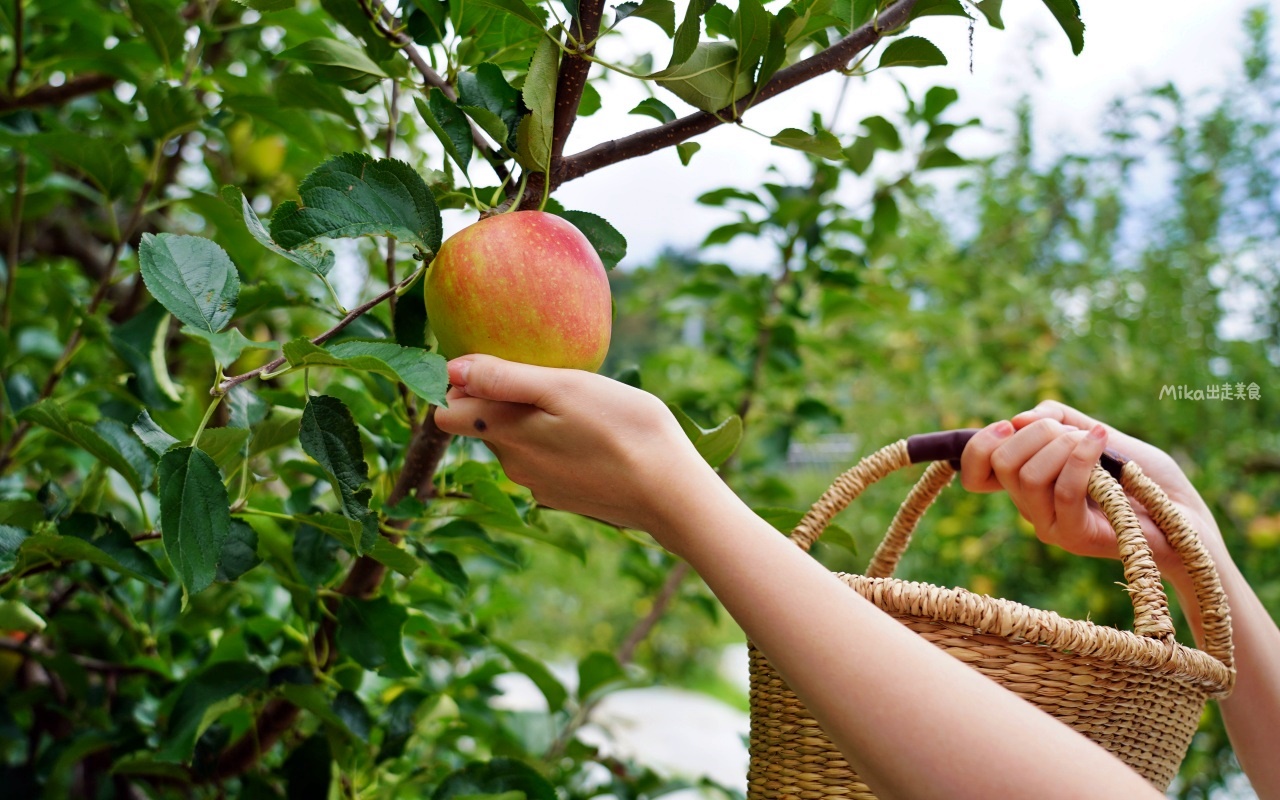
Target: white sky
(1128,46)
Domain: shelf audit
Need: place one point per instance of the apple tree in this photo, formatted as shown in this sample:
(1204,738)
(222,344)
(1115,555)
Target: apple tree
(237,558)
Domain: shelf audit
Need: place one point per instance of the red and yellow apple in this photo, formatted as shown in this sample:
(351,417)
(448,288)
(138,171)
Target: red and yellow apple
(525,286)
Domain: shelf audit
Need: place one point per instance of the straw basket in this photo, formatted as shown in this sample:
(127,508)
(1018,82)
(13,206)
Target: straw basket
(1139,694)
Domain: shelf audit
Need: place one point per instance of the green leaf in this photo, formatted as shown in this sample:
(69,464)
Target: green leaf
(305,92)
(171,110)
(161,27)
(689,32)
(425,374)
(105,163)
(883,133)
(936,100)
(11,539)
(912,51)
(393,556)
(822,143)
(111,538)
(517,9)
(228,345)
(750,29)
(350,709)
(486,90)
(449,125)
(596,671)
(157,439)
(716,444)
(686,150)
(194,516)
(268,6)
(537,672)
(719,197)
(46,547)
(539,94)
(123,441)
(660,12)
(991,10)
(400,723)
(590,102)
(1067,13)
(862,11)
(609,244)
(775,52)
(371,633)
(310,256)
(410,323)
(353,195)
(448,567)
(884,215)
(100,442)
(16,615)
(653,107)
(941,158)
(337,62)
(707,80)
(329,435)
(226,446)
(140,343)
(192,277)
(938,8)
(239,552)
(315,555)
(203,697)
(499,776)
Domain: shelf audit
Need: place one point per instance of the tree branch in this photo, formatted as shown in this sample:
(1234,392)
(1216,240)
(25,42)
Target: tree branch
(78,86)
(572,79)
(358,311)
(837,56)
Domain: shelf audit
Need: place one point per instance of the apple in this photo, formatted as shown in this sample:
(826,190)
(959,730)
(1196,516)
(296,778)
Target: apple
(525,286)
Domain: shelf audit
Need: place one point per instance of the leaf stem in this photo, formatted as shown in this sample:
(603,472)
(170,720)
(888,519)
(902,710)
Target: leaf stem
(208,415)
(258,512)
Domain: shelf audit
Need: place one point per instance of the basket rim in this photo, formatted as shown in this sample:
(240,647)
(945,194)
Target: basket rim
(1012,620)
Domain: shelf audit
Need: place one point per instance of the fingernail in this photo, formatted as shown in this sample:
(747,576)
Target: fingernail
(1003,429)
(459,368)
(1099,432)
(1024,416)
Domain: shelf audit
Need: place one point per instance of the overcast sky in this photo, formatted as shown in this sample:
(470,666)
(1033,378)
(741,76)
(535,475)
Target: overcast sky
(1128,46)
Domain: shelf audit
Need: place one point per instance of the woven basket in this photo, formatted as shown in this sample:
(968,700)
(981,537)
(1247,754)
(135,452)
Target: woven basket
(1139,694)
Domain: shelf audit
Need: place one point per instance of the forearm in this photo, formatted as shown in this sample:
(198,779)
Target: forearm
(1251,712)
(914,722)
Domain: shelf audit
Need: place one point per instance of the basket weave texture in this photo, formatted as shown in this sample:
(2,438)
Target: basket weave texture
(1139,694)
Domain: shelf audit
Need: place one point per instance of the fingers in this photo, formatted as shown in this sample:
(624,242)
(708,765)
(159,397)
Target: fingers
(492,378)
(480,418)
(975,462)
(1075,524)
(1058,412)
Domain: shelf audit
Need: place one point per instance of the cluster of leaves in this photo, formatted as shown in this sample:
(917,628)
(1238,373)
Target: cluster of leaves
(227,571)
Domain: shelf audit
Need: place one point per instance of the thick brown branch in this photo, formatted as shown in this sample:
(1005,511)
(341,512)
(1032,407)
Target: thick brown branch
(78,86)
(573,75)
(358,311)
(835,57)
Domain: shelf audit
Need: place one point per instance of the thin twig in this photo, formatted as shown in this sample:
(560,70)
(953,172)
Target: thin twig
(91,664)
(352,315)
(57,95)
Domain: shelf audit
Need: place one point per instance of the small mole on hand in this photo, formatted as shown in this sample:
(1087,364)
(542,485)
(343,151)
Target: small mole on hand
(480,425)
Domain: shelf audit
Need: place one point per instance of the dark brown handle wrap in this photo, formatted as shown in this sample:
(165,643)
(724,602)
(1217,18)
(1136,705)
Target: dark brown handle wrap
(949,445)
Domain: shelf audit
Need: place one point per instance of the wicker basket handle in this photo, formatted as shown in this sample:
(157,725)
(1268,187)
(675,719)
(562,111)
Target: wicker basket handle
(1151,606)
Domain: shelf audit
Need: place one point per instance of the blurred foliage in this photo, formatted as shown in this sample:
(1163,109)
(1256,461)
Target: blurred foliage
(178,572)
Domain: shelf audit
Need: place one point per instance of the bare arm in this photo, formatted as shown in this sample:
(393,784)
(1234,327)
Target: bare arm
(914,722)
(1041,458)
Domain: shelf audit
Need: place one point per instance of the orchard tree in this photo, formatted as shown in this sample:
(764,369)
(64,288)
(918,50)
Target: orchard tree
(236,555)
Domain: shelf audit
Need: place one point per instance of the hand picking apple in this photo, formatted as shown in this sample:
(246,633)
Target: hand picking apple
(525,286)
(591,445)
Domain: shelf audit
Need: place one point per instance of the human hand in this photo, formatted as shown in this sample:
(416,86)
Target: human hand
(581,442)
(1043,457)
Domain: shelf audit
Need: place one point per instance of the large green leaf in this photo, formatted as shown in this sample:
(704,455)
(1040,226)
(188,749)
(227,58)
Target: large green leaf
(194,515)
(425,374)
(310,256)
(11,539)
(689,32)
(539,94)
(487,98)
(517,9)
(228,345)
(353,195)
(140,343)
(660,12)
(653,107)
(912,51)
(371,632)
(109,536)
(329,435)
(16,615)
(821,143)
(47,547)
(192,277)
(537,672)
(750,29)
(400,723)
(105,163)
(707,80)
(991,10)
(713,444)
(595,672)
(1067,13)
(239,552)
(337,62)
(161,26)
(157,439)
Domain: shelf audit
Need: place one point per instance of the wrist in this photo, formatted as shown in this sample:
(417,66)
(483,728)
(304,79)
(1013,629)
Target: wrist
(690,502)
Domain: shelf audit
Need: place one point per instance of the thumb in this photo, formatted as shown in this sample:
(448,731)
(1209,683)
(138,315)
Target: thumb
(492,378)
